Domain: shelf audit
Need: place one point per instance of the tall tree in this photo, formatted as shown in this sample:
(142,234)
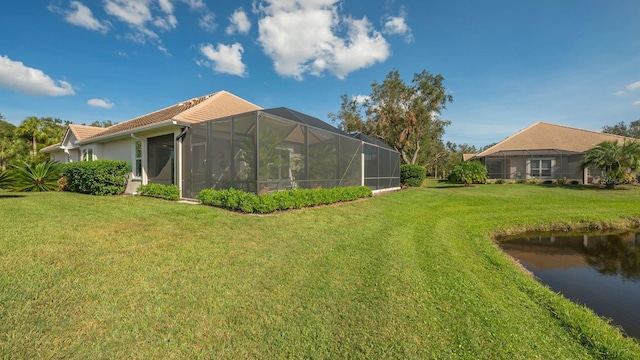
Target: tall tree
(7,131)
(102,124)
(613,160)
(43,131)
(621,128)
(405,116)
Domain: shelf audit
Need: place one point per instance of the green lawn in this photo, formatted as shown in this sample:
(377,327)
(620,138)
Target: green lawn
(412,274)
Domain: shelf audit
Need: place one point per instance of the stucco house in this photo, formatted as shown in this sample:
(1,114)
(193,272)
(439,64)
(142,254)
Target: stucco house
(222,141)
(544,151)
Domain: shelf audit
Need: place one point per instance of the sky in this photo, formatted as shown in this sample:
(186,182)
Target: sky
(507,63)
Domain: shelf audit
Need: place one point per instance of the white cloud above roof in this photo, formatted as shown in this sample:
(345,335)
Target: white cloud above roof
(239,22)
(307,37)
(207,22)
(82,16)
(15,75)
(224,59)
(633,86)
(101,103)
(636,103)
(397,25)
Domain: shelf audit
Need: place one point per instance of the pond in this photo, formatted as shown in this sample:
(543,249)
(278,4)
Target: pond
(600,271)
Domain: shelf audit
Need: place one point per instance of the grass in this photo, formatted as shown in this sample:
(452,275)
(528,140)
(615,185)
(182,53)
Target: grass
(412,274)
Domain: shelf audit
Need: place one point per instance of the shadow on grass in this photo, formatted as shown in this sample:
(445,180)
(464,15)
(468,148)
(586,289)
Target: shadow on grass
(8,196)
(590,187)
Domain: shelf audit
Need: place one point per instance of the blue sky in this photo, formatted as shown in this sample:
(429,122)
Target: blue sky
(507,63)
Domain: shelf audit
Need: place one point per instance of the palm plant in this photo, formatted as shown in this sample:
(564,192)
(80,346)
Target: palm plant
(613,160)
(40,177)
(5,179)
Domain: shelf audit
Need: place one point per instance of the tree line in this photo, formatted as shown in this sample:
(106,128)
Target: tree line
(23,143)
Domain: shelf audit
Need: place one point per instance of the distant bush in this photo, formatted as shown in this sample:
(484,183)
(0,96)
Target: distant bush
(575,182)
(501,181)
(282,200)
(534,181)
(549,182)
(523,181)
(100,177)
(490,181)
(412,174)
(167,192)
(562,181)
(469,172)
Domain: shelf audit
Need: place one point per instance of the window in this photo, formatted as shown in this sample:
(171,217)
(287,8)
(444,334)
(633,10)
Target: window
(137,159)
(87,154)
(541,167)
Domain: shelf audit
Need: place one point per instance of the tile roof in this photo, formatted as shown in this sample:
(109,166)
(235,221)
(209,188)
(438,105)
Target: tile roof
(82,132)
(208,107)
(546,136)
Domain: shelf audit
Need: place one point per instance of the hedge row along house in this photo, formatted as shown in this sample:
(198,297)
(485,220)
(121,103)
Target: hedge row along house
(543,151)
(222,141)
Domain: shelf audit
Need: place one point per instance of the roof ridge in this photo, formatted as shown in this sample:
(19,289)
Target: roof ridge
(584,130)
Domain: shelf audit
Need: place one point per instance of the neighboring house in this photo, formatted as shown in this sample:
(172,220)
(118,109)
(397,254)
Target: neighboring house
(223,141)
(544,151)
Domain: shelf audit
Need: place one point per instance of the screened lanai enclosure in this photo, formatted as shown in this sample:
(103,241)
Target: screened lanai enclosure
(539,163)
(279,149)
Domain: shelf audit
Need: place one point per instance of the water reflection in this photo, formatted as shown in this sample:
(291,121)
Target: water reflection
(609,254)
(601,271)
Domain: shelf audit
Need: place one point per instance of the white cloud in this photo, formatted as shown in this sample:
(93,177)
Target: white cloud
(164,50)
(195,4)
(634,86)
(239,22)
(360,99)
(133,12)
(304,37)
(636,103)
(207,22)
(101,103)
(16,76)
(82,16)
(224,59)
(396,25)
(630,87)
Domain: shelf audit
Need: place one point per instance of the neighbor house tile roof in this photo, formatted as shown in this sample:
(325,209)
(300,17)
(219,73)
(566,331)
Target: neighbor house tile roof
(213,106)
(545,136)
(81,132)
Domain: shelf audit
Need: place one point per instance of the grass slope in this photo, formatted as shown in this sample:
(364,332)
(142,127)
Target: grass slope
(411,274)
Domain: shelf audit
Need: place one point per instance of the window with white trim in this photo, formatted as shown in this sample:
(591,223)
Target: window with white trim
(87,154)
(541,168)
(137,159)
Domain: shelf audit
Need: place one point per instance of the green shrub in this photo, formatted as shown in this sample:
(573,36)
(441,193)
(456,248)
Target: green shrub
(100,177)
(412,174)
(523,181)
(562,181)
(282,200)
(501,181)
(469,172)
(575,182)
(548,182)
(534,181)
(167,192)
(39,177)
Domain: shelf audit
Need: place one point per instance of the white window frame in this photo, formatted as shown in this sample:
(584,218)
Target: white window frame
(540,160)
(88,154)
(135,159)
